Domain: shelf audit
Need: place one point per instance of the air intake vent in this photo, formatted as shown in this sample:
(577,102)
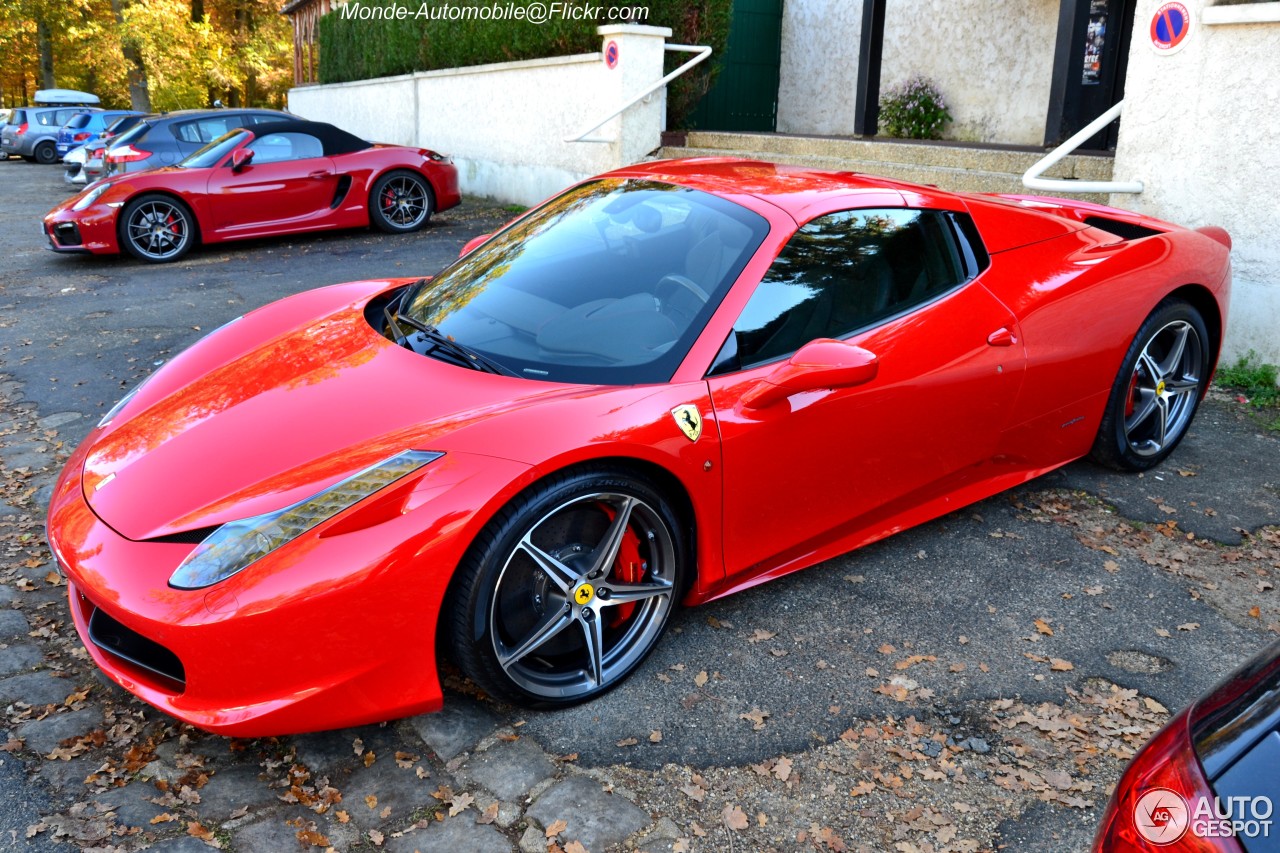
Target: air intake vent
(127,644)
(1123,230)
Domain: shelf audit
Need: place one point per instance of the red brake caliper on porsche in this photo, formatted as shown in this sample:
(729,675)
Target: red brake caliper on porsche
(627,568)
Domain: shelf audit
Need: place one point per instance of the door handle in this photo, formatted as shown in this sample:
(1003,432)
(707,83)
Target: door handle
(319,174)
(1002,337)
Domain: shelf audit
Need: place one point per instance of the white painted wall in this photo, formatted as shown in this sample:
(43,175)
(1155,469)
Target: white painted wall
(819,70)
(992,60)
(505,124)
(1201,129)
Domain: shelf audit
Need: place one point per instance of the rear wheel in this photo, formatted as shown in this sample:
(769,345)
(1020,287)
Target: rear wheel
(568,589)
(400,202)
(156,228)
(46,153)
(1158,390)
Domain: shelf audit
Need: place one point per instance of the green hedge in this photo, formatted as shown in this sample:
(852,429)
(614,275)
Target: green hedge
(362,49)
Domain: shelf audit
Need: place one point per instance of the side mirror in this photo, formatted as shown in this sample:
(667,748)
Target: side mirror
(824,363)
(240,158)
(472,243)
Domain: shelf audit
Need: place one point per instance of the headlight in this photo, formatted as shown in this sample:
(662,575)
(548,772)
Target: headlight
(91,196)
(237,545)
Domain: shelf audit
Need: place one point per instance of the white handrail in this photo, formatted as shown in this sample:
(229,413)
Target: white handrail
(1032,180)
(702,51)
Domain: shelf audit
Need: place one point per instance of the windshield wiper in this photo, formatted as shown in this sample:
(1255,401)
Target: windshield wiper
(462,352)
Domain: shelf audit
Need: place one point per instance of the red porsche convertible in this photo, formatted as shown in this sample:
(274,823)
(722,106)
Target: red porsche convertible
(281,177)
(665,385)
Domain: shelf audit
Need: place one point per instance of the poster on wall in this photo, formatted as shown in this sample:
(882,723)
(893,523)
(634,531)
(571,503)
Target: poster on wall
(1094,41)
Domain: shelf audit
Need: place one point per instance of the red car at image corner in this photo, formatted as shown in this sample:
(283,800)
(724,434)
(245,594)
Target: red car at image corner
(274,178)
(1208,781)
(665,385)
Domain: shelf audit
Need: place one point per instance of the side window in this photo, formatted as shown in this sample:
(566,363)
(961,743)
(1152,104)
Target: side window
(276,147)
(844,272)
(205,130)
(45,118)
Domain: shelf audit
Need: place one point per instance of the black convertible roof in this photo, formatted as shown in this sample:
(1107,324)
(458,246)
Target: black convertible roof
(334,139)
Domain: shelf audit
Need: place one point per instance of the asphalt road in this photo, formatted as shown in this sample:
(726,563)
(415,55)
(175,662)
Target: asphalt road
(76,332)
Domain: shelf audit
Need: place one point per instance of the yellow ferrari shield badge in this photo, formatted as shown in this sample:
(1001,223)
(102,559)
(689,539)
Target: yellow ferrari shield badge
(584,594)
(689,419)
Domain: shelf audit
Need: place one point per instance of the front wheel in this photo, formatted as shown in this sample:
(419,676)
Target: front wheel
(46,153)
(400,202)
(568,588)
(156,228)
(1158,390)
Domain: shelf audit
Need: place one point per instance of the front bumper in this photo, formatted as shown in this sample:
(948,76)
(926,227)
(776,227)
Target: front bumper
(90,230)
(333,630)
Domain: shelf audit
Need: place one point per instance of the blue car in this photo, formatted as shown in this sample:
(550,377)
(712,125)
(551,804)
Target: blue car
(85,127)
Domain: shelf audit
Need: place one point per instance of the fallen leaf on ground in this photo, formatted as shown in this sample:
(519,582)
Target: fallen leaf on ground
(1154,705)
(756,717)
(1043,627)
(489,815)
(1060,665)
(760,635)
(734,818)
(459,804)
(782,769)
(555,828)
(700,679)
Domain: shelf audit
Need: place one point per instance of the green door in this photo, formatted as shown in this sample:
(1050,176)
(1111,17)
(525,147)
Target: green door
(745,94)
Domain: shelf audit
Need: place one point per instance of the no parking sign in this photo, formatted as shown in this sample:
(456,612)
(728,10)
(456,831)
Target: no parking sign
(1170,26)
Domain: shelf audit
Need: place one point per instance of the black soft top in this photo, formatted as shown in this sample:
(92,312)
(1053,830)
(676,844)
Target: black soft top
(334,139)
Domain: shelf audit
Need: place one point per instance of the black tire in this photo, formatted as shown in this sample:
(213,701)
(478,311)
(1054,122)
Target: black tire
(1158,390)
(401,202)
(156,228)
(531,599)
(46,152)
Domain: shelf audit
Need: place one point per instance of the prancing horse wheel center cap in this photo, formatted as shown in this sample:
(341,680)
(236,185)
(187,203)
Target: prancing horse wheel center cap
(583,594)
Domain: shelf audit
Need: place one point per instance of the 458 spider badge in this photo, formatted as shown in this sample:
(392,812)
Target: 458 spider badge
(689,419)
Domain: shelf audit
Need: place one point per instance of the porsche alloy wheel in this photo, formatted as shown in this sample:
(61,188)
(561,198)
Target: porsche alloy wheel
(1158,390)
(400,202)
(156,228)
(571,592)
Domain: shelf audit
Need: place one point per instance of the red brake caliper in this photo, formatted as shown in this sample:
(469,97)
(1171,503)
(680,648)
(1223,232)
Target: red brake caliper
(627,568)
(1133,391)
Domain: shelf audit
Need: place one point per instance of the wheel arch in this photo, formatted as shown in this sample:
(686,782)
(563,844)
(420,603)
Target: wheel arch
(1203,300)
(379,174)
(191,208)
(662,478)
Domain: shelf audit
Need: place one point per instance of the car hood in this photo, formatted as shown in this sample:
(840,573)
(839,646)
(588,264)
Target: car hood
(277,406)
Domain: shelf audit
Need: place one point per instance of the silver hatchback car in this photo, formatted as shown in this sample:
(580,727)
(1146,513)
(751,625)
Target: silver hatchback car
(32,132)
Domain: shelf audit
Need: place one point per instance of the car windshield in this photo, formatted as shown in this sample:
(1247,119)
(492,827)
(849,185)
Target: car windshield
(609,283)
(212,154)
(78,121)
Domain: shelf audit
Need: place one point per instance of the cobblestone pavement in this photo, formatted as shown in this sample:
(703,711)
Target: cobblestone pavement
(977,682)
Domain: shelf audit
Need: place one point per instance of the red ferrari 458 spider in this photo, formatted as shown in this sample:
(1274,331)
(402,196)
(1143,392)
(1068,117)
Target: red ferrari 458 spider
(667,384)
(282,177)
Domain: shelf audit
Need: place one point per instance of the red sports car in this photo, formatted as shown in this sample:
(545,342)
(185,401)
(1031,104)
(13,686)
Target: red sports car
(281,177)
(665,385)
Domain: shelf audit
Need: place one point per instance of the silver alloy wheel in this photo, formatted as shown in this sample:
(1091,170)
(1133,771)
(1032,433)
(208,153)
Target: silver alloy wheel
(566,618)
(158,229)
(1164,388)
(403,201)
